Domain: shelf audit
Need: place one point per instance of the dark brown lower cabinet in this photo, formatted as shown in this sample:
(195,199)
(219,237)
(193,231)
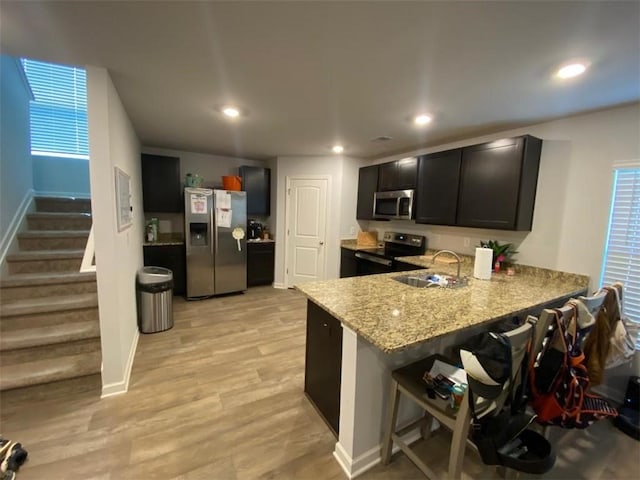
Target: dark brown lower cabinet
(171,257)
(323,364)
(260,263)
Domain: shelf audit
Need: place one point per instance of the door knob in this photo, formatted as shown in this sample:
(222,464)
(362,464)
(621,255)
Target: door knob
(321,243)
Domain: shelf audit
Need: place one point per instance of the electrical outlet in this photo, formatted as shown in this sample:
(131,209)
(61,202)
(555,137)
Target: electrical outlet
(467,241)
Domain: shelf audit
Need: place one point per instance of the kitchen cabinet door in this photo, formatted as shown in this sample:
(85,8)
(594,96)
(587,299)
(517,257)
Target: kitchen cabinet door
(256,181)
(260,263)
(161,184)
(348,263)
(387,176)
(367,186)
(407,169)
(398,175)
(171,257)
(498,184)
(323,364)
(437,189)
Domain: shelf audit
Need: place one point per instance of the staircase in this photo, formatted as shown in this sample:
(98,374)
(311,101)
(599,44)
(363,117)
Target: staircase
(49,326)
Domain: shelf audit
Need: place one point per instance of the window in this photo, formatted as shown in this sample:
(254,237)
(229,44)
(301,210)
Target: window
(622,250)
(59,110)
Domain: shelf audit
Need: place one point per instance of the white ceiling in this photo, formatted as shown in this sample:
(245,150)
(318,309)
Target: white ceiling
(310,74)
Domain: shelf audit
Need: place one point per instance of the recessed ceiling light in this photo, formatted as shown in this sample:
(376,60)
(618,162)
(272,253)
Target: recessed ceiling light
(422,119)
(337,149)
(571,70)
(231,112)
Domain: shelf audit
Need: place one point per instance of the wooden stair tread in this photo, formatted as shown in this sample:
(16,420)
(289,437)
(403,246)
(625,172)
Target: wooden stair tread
(53,233)
(48,335)
(46,278)
(50,370)
(33,255)
(49,304)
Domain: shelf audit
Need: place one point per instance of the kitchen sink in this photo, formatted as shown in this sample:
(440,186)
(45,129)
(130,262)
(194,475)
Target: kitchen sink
(432,280)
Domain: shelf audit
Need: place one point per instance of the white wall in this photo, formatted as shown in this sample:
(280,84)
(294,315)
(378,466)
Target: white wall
(573,195)
(113,142)
(60,176)
(15,148)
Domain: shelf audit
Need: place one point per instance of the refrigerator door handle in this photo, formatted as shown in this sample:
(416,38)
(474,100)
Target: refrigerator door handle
(214,222)
(213,238)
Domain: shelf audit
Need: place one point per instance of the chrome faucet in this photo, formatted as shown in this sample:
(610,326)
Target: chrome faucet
(433,260)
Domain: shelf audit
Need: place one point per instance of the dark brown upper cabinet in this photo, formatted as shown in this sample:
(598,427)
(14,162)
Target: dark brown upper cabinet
(398,175)
(367,186)
(437,187)
(256,181)
(498,184)
(161,184)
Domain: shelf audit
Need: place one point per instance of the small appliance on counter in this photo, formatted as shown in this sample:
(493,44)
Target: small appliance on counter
(254,230)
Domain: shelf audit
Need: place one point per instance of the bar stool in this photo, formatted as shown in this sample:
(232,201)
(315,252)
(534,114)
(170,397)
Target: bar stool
(408,381)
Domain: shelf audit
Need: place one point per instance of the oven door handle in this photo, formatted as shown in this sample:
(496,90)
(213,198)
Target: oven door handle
(370,258)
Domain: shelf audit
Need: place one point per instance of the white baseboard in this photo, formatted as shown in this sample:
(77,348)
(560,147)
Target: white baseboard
(279,285)
(14,225)
(118,388)
(354,467)
(63,194)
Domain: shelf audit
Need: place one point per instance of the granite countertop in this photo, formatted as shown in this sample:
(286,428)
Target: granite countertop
(394,316)
(165,239)
(261,240)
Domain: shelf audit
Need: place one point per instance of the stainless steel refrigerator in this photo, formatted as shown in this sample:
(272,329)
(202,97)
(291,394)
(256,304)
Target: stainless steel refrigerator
(215,237)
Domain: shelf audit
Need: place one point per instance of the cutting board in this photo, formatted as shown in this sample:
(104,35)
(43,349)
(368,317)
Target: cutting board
(441,259)
(367,239)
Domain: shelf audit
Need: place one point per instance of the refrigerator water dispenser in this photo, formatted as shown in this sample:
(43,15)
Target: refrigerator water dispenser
(198,234)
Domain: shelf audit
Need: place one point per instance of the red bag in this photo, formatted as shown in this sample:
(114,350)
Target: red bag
(559,382)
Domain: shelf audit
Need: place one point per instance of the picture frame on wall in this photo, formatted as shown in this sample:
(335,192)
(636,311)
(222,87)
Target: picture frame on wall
(124,210)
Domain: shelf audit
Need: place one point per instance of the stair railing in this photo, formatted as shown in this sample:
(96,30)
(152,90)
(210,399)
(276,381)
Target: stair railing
(88,259)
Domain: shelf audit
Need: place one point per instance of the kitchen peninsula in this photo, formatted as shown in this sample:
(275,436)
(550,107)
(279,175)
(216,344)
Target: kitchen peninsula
(386,324)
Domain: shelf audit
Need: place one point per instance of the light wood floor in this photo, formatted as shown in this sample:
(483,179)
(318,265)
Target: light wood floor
(220,396)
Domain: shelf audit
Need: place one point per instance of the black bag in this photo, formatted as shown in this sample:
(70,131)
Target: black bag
(502,437)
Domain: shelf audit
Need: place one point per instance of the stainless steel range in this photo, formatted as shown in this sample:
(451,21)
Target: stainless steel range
(382,260)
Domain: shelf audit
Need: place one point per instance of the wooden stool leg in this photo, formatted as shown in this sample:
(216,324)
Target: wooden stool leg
(459,439)
(391,422)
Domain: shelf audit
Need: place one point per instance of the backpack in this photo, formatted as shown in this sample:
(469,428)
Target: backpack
(559,382)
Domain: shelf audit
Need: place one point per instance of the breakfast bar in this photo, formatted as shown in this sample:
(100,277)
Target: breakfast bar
(386,324)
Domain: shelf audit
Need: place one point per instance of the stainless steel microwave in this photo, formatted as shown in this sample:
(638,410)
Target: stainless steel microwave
(393,205)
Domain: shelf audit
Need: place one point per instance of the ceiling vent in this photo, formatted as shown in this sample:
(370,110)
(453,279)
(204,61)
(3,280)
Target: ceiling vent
(382,138)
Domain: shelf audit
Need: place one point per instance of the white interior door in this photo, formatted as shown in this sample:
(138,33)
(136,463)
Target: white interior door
(306,229)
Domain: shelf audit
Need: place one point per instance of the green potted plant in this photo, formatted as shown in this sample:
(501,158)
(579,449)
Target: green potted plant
(501,253)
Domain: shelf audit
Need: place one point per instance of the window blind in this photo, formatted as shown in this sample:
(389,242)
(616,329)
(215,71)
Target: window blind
(622,251)
(59,109)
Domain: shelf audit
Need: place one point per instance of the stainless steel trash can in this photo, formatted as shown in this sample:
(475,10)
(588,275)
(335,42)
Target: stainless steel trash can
(154,288)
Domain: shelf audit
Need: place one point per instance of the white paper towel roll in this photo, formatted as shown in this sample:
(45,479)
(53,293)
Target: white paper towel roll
(482,265)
